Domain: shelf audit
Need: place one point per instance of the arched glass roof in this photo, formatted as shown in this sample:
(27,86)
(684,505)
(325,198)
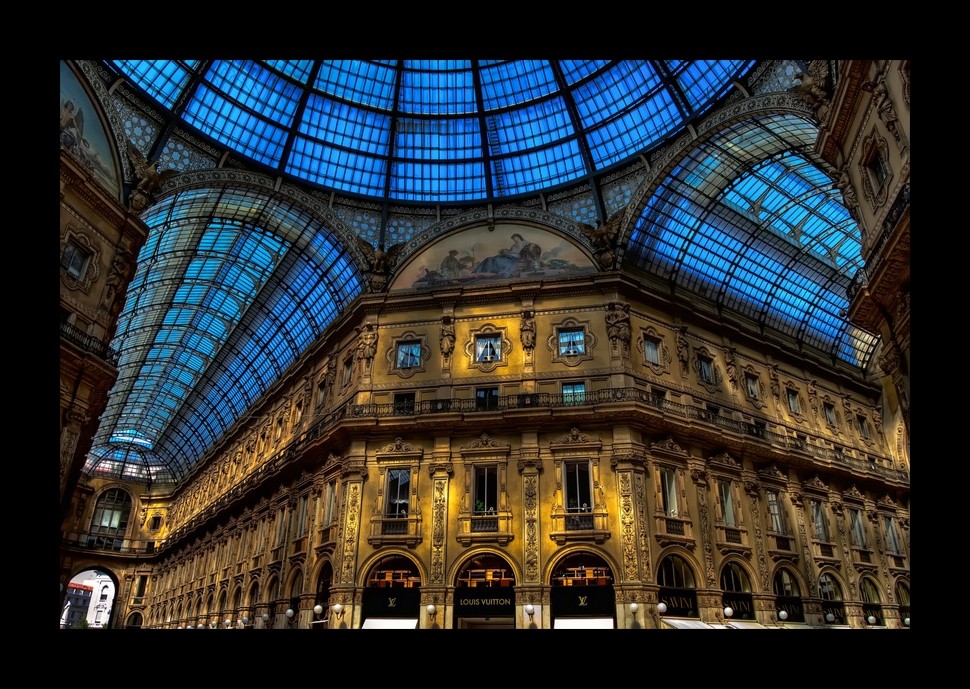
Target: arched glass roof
(234,283)
(231,287)
(436,131)
(751,221)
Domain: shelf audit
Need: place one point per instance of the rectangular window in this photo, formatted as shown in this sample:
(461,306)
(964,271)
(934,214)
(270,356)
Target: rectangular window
(404,403)
(751,386)
(348,371)
(485,490)
(658,396)
(818,521)
(727,503)
(707,369)
(651,350)
(829,410)
(330,503)
(858,530)
(281,524)
(75,259)
(398,487)
(486,398)
(669,492)
(892,535)
(776,516)
(573,393)
(878,170)
(301,516)
(793,405)
(488,348)
(577,487)
(572,342)
(863,426)
(408,354)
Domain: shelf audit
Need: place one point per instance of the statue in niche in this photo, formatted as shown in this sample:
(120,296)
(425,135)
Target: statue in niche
(884,106)
(683,349)
(849,198)
(618,324)
(527,330)
(447,336)
(732,367)
(366,344)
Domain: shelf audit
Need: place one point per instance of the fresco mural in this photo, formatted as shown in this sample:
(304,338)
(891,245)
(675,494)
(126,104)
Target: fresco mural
(83,134)
(510,251)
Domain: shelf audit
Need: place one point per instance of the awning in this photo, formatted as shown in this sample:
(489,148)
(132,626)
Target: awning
(389,623)
(583,623)
(680,623)
(745,624)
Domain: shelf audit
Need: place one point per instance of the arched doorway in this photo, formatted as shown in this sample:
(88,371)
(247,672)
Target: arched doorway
(582,595)
(392,594)
(485,594)
(89,600)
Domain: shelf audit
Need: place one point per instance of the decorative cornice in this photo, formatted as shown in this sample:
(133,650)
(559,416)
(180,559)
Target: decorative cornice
(668,446)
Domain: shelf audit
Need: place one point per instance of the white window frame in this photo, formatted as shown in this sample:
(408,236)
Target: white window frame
(857,528)
(819,522)
(725,492)
(777,521)
(893,542)
(669,491)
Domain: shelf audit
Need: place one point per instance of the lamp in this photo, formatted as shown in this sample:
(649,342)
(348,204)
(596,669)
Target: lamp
(244,621)
(228,623)
(634,608)
(338,610)
(661,608)
(906,621)
(290,615)
(829,617)
(871,619)
(432,611)
(782,615)
(728,612)
(530,610)
(201,626)
(265,618)
(318,614)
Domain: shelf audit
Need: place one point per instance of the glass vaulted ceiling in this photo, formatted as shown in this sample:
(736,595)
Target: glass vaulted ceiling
(436,131)
(233,285)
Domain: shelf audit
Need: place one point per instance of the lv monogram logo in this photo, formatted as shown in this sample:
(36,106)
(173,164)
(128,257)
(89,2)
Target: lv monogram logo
(392,602)
(582,601)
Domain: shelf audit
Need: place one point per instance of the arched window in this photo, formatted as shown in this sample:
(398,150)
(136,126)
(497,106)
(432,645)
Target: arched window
(677,588)
(737,591)
(902,597)
(871,602)
(788,595)
(833,611)
(110,520)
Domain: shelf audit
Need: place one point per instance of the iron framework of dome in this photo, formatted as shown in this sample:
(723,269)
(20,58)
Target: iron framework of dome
(235,282)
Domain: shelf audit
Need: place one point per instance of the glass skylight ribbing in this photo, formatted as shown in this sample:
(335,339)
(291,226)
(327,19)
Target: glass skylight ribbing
(226,307)
(432,131)
(767,240)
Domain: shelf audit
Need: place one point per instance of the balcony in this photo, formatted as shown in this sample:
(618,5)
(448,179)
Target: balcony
(385,530)
(485,527)
(580,524)
(731,539)
(89,344)
(674,530)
